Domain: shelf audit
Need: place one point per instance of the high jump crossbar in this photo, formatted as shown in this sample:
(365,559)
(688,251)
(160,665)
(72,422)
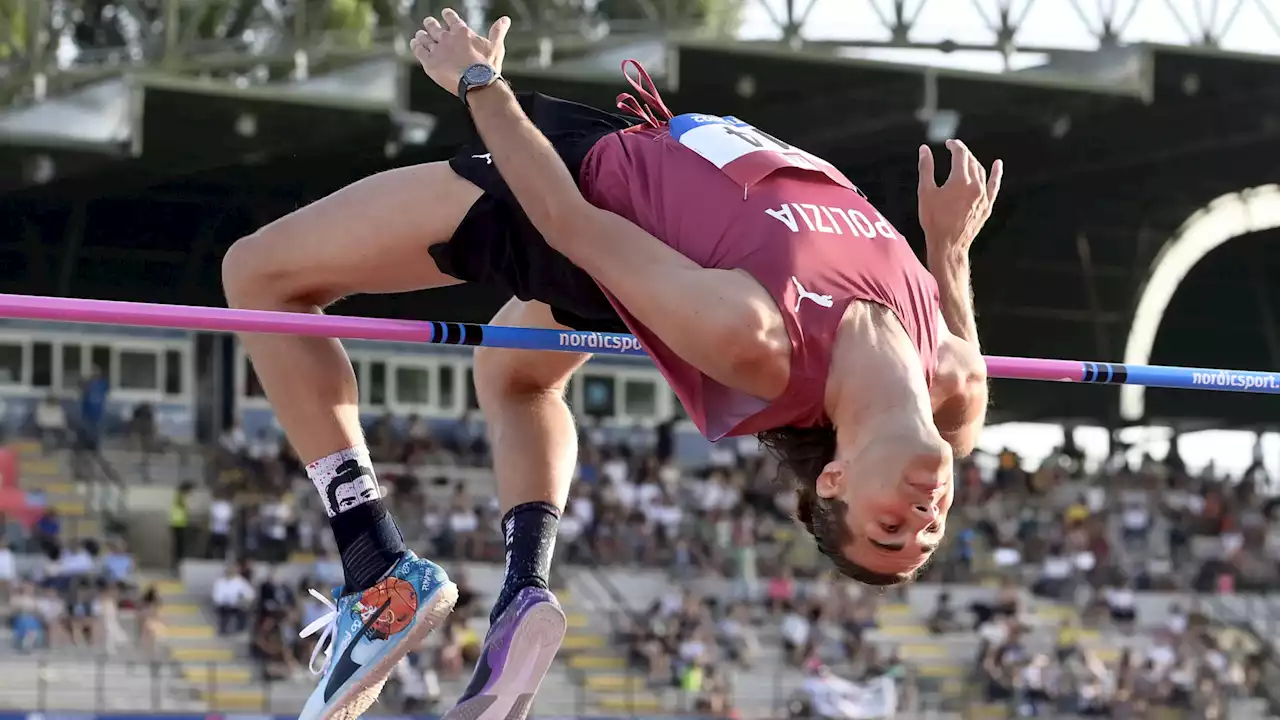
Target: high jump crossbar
(108,312)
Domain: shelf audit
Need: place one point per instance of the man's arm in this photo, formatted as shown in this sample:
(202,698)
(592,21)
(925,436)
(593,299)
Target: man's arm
(717,320)
(955,291)
(960,380)
(951,216)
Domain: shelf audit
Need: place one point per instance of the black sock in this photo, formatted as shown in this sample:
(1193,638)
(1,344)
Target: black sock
(369,543)
(529,534)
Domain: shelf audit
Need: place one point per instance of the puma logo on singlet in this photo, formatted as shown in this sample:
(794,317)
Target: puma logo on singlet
(487,158)
(823,300)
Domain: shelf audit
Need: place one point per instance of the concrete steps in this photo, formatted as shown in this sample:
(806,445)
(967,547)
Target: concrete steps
(50,476)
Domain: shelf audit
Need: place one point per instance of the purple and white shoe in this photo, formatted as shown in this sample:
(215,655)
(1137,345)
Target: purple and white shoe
(518,650)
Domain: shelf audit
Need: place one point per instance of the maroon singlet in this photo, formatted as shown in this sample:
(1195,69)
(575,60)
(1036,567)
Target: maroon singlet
(727,195)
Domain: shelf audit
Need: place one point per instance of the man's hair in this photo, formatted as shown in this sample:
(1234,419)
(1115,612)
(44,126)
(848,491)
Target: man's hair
(802,453)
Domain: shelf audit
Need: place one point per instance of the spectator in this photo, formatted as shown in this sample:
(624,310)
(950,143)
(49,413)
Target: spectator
(109,630)
(82,618)
(271,649)
(179,517)
(274,598)
(415,684)
(1034,684)
(143,435)
(8,571)
(328,570)
(782,590)
(77,563)
(47,531)
(463,525)
(27,620)
(1056,574)
(943,618)
(1122,605)
(232,595)
(149,625)
(796,632)
(826,695)
(230,456)
(51,423)
(738,636)
(53,616)
(1067,643)
(93,407)
(264,455)
(221,514)
(461,646)
(273,526)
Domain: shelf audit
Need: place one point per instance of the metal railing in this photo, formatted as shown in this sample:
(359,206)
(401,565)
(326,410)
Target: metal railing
(45,46)
(104,685)
(102,490)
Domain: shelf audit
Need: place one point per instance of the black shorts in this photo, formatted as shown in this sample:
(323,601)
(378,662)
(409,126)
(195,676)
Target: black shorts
(498,245)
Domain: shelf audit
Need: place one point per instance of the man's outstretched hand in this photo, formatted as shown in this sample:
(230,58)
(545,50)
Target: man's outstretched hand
(953,214)
(447,47)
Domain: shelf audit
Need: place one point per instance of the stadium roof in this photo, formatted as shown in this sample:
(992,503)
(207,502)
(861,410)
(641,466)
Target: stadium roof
(1108,155)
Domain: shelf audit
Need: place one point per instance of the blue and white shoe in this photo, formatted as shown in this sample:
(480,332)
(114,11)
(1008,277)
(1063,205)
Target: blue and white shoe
(367,633)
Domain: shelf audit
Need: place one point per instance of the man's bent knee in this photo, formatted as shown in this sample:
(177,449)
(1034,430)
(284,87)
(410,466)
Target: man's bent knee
(257,272)
(503,374)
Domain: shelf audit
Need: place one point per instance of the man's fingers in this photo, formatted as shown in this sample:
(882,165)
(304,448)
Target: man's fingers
(959,163)
(973,171)
(976,171)
(452,19)
(420,45)
(498,33)
(993,183)
(433,29)
(927,178)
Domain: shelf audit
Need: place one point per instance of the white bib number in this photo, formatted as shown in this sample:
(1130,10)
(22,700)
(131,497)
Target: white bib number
(724,141)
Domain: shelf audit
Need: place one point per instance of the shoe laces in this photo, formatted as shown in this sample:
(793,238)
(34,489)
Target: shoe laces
(327,626)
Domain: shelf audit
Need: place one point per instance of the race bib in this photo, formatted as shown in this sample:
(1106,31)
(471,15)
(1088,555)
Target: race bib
(745,153)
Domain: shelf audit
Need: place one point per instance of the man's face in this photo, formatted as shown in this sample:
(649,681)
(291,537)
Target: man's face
(348,495)
(897,496)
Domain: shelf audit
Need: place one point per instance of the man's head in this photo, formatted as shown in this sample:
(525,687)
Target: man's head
(877,502)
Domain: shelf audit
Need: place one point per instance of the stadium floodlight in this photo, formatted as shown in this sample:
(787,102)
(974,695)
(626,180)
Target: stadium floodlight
(1225,218)
(940,124)
(415,128)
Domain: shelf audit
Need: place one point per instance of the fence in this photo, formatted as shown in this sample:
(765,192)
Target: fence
(230,716)
(90,685)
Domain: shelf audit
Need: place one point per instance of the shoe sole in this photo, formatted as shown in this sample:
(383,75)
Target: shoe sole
(533,648)
(354,701)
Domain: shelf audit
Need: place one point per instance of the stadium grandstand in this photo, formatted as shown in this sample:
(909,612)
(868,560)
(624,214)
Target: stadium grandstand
(1114,552)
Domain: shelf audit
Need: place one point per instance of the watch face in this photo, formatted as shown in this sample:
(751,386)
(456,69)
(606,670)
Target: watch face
(479,74)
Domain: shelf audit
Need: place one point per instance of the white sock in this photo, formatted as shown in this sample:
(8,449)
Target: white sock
(345,479)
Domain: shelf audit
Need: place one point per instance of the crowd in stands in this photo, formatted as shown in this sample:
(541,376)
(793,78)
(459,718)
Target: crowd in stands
(1184,664)
(77,595)
(1094,541)
(628,503)
(1088,539)
(1091,539)
(78,592)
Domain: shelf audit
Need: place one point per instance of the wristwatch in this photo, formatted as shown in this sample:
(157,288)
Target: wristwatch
(474,77)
